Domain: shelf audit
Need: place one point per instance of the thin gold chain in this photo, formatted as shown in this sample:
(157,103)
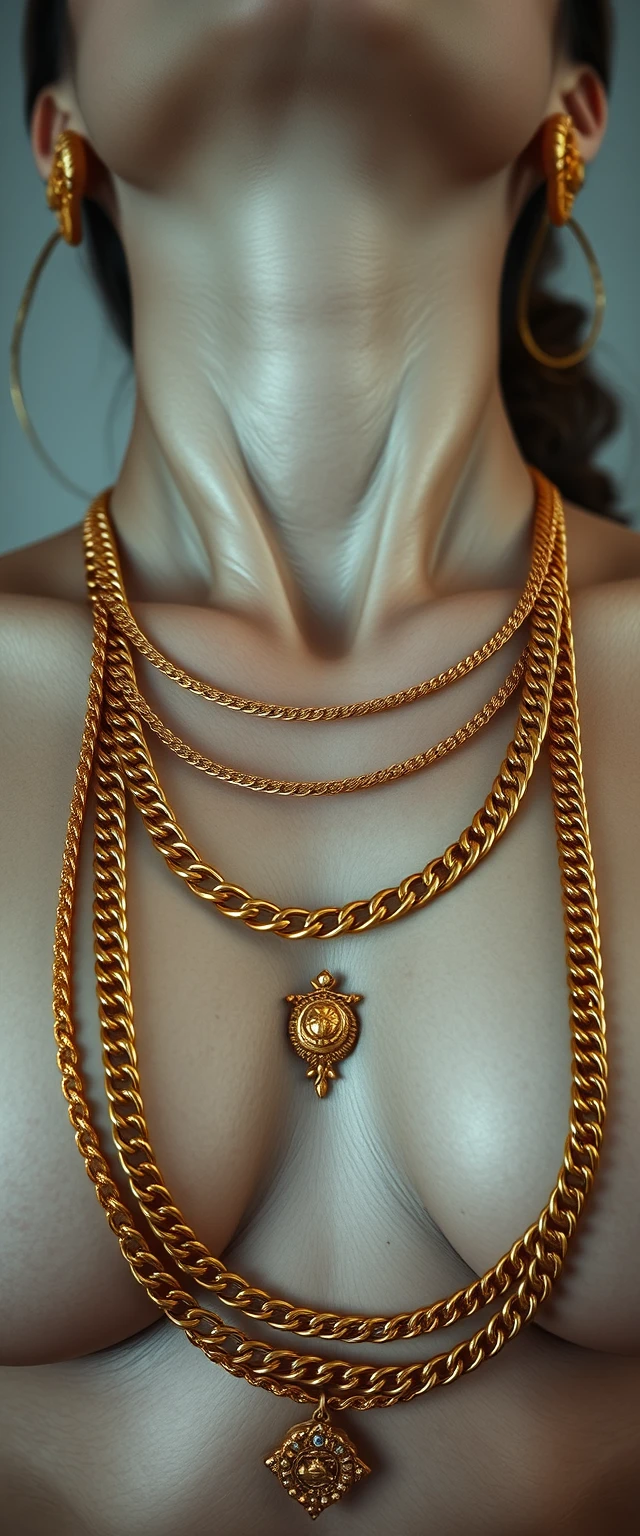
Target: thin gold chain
(283,1371)
(132,1137)
(416,890)
(122,684)
(108,581)
(131,1133)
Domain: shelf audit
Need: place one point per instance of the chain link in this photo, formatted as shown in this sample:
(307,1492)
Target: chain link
(535,1260)
(123,684)
(108,581)
(416,890)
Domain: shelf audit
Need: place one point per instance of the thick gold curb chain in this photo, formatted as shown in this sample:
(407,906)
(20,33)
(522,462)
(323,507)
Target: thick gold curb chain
(544,1246)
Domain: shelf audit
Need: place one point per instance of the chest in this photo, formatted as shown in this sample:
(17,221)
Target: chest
(434,1150)
(446,1127)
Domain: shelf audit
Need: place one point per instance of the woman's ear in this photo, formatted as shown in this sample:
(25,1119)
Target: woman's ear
(52,114)
(585,99)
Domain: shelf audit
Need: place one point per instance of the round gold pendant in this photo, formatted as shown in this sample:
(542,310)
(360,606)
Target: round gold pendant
(323,1028)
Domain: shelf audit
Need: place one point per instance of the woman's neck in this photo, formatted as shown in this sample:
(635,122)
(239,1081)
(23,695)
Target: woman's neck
(320,443)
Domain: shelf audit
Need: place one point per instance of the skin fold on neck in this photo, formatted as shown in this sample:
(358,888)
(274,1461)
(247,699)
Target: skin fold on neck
(320,444)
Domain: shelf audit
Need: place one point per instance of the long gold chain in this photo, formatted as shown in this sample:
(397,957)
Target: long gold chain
(108,581)
(132,1138)
(131,1133)
(534,1262)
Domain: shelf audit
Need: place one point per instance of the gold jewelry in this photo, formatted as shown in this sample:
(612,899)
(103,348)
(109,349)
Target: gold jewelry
(112,943)
(122,684)
(565,174)
(67,185)
(563,166)
(323,1028)
(414,892)
(107,580)
(317,1464)
(132,1141)
(66,188)
(337,1383)
(131,1136)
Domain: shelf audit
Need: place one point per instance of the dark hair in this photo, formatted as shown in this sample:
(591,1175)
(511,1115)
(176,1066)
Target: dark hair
(560,419)
(47,50)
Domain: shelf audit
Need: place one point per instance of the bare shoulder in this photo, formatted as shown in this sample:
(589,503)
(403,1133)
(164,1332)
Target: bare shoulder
(45,637)
(45,658)
(605,607)
(604,577)
(52,567)
(600,551)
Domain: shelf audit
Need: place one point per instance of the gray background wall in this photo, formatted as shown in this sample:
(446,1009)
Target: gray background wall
(78,381)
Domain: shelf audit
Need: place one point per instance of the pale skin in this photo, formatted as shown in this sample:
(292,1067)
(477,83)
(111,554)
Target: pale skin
(322,499)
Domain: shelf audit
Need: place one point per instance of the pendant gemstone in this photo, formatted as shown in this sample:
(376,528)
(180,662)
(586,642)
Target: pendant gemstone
(317,1466)
(323,1028)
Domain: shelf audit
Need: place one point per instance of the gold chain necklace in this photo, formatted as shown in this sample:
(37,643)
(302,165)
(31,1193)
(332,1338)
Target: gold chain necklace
(317,1464)
(107,580)
(130,1129)
(416,890)
(323,1028)
(123,684)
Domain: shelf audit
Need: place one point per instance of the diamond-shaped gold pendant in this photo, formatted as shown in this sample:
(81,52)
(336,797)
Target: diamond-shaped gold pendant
(317,1464)
(323,1028)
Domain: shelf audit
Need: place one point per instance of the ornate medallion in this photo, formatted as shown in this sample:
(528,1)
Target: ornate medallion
(563,167)
(323,1028)
(67,185)
(317,1464)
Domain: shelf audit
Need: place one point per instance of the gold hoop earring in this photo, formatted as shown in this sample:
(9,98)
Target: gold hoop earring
(565,173)
(66,188)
